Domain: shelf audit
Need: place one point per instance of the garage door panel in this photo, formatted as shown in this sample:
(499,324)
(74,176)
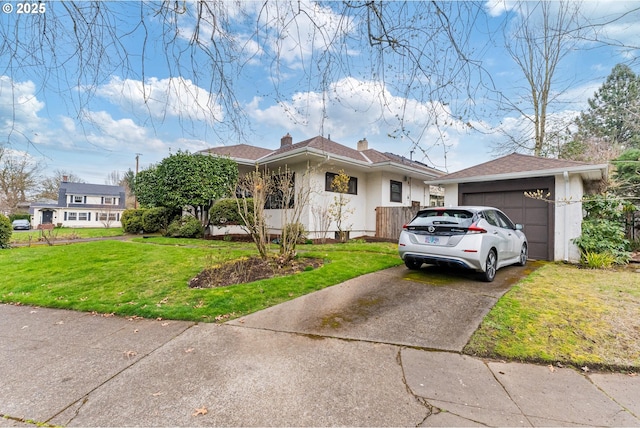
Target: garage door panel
(474,199)
(534,214)
(538,216)
(494,199)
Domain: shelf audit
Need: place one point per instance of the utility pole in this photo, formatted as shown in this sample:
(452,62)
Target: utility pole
(135,198)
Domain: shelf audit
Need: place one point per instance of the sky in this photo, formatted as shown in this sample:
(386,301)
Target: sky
(93,124)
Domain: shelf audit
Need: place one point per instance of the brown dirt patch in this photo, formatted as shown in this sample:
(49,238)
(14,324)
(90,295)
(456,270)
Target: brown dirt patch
(250,269)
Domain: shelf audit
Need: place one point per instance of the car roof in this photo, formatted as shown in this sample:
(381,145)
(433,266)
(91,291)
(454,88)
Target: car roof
(475,208)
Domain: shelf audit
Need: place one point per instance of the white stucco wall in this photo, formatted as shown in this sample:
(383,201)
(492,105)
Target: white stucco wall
(374,190)
(451,195)
(568,216)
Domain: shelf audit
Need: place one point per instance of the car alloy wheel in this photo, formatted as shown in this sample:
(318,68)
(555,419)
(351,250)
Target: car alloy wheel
(490,266)
(523,255)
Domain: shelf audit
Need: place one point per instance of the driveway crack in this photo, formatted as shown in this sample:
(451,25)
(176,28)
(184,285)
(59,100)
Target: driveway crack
(421,400)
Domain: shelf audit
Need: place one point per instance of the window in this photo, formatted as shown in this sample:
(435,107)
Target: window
(275,199)
(107,216)
(83,216)
(107,200)
(78,199)
(396,191)
(328,183)
(72,216)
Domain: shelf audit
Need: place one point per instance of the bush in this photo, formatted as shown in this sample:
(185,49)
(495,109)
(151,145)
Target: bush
(132,221)
(598,260)
(25,216)
(296,230)
(603,230)
(185,227)
(225,212)
(156,219)
(5,231)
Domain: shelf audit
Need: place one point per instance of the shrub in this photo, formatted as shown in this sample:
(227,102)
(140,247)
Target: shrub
(186,227)
(5,231)
(603,230)
(296,232)
(598,260)
(156,219)
(132,221)
(25,216)
(225,212)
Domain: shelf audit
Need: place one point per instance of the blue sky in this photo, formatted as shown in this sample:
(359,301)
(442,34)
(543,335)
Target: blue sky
(161,109)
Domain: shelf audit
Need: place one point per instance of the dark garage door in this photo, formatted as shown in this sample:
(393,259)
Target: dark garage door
(508,195)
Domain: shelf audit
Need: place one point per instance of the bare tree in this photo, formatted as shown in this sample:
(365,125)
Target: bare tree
(295,191)
(339,210)
(19,176)
(50,185)
(543,36)
(418,50)
(251,196)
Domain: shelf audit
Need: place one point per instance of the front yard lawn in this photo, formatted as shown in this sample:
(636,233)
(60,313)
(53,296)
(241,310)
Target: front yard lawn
(567,315)
(144,278)
(64,233)
(560,314)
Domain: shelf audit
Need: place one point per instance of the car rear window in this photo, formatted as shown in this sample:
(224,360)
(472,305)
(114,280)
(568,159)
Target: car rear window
(435,217)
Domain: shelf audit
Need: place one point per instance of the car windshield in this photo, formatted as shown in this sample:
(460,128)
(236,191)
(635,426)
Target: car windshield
(462,218)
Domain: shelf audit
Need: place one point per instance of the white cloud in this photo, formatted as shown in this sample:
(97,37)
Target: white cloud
(19,108)
(160,98)
(112,134)
(353,109)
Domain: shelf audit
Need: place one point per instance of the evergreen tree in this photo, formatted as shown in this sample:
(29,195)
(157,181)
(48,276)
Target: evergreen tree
(611,124)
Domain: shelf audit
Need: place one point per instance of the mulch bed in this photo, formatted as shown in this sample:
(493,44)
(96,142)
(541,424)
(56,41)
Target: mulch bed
(250,269)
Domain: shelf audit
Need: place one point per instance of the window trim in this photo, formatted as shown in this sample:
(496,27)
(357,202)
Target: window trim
(328,179)
(392,193)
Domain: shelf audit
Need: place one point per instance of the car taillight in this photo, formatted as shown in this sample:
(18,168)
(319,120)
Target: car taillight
(404,226)
(475,229)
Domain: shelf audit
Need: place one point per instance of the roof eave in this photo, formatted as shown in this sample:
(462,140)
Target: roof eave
(587,172)
(405,168)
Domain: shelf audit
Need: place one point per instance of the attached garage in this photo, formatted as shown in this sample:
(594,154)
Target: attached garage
(509,195)
(549,224)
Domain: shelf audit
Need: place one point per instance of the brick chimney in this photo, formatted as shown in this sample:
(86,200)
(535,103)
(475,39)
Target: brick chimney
(363,145)
(287,140)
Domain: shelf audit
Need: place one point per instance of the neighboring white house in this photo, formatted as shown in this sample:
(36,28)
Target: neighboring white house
(550,225)
(81,205)
(376,180)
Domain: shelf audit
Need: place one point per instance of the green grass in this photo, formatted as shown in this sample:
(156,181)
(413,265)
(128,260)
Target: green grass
(148,277)
(564,314)
(19,237)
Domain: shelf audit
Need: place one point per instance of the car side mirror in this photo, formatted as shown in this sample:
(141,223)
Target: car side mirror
(519,226)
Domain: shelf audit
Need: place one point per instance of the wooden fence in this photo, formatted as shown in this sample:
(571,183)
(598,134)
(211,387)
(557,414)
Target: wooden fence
(632,225)
(389,220)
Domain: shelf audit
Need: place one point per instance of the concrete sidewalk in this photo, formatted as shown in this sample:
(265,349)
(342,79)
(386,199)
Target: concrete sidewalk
(78,369)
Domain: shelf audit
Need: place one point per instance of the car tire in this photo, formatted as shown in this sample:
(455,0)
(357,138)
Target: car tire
(412,264)
(490,267)
(524,254)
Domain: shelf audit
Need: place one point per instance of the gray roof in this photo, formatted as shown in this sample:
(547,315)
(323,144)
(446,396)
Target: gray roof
(319,144)
(91,189)
(517,165)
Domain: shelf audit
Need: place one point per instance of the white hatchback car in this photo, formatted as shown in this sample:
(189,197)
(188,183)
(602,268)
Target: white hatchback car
(483,239)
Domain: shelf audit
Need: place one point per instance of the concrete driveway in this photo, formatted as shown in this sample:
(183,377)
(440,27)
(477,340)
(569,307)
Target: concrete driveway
(431,308)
